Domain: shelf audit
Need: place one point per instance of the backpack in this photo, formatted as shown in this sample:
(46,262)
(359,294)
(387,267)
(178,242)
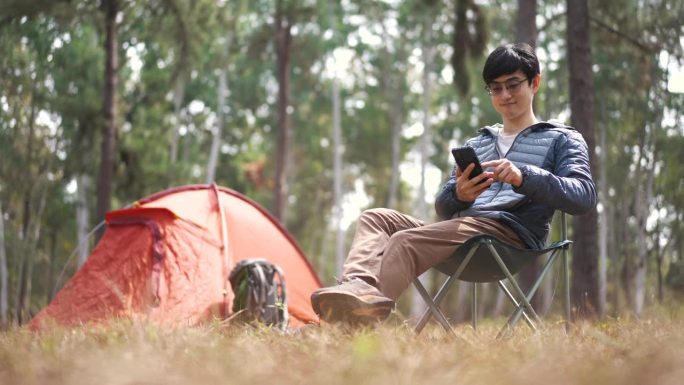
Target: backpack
(260,293)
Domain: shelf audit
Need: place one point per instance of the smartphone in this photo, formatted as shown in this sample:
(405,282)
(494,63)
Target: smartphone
(464,156)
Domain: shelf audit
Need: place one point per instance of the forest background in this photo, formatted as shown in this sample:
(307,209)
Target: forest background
(319,109)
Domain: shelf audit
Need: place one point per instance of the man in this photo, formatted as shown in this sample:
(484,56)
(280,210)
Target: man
(532,168)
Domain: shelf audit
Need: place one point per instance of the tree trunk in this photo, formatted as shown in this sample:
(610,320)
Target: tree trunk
(497,309)
(82,218)
(25,259)
(338,153)
(391,86)
(395,120)
(221,106)
(641,208)
(178,96)
(585,230)
(627,268)
(30,248)
(426,138)
(526,28)
(218,133)
(50,274)
(643,197)
(658,251)
(104,186)
(613,273)
(26,215)
(603,226)
(526,25)
(283,29)
(460,47)
(3,273)
(614,245)
(417,303)
(462,301)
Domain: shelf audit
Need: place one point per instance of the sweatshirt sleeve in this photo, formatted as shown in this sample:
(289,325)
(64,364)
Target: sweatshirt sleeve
(570,187)
(446,203)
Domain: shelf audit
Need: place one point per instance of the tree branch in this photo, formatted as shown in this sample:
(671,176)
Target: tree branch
(634,41)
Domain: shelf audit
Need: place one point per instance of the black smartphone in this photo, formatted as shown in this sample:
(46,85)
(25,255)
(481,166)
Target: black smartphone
(464,156)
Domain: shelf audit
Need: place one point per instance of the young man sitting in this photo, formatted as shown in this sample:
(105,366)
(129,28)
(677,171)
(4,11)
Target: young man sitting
(532,168)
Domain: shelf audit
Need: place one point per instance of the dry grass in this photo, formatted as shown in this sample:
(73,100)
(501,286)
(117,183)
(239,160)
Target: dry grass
(617,351)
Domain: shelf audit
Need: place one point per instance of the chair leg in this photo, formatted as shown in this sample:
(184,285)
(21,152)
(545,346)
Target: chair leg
(473,305)
(566,271)
(442,291)
(566,278)
(513,319)
(516,288)
(433,308)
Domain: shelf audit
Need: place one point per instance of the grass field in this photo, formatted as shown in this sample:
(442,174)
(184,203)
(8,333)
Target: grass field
(614,351)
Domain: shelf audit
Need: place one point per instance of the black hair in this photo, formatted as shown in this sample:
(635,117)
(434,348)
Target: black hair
(509,58)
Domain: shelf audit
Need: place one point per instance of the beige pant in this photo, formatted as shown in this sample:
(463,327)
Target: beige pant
(392,248)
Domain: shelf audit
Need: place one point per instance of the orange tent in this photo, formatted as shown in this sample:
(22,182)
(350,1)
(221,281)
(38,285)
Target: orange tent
(167,259)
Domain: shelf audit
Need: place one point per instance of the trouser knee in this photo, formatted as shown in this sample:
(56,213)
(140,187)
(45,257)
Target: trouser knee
(376,217)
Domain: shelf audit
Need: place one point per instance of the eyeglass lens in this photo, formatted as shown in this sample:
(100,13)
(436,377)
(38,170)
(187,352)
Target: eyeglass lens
(512,86)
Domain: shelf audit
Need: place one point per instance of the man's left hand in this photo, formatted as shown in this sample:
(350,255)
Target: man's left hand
(505,171)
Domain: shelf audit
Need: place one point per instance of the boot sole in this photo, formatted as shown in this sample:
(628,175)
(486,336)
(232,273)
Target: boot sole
(346,308)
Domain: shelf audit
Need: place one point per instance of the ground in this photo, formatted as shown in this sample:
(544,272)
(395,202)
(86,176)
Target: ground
(614,351)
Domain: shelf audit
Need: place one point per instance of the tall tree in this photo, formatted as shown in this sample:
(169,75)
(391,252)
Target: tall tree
(283,43)
(231,34)
(585,227)
(178,96)
(526,22)
(391,80)
(216,142)
(110,9)
(338,152)
(526,32)
(604,216)
(82,217)
(471,32)
(417,302)
(338,156)
(3,272)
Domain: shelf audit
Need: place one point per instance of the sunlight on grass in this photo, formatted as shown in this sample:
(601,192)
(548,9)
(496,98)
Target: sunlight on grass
(615,351)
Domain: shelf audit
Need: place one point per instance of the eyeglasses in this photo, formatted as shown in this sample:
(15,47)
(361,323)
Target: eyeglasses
(512,86)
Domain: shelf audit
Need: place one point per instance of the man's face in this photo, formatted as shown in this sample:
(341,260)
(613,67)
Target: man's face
(512,94)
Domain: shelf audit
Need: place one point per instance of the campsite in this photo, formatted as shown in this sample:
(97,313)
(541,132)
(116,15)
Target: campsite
(197,233)
(341,192)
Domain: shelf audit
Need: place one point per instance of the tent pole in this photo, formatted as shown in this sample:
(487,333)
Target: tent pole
(227,260)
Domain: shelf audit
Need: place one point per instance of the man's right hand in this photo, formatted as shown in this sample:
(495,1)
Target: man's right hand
(467,190)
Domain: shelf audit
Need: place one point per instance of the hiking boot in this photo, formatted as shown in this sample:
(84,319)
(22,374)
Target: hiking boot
(353,301)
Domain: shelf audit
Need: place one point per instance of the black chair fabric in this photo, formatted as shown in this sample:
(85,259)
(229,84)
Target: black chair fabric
(482,267)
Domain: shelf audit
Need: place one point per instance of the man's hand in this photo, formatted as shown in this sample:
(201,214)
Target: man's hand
(467,190)
(505,171)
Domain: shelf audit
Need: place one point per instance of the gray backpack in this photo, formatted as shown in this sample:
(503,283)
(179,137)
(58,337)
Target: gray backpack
(260,293)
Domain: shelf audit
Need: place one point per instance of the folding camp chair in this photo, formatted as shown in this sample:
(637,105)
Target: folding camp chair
(485,258)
